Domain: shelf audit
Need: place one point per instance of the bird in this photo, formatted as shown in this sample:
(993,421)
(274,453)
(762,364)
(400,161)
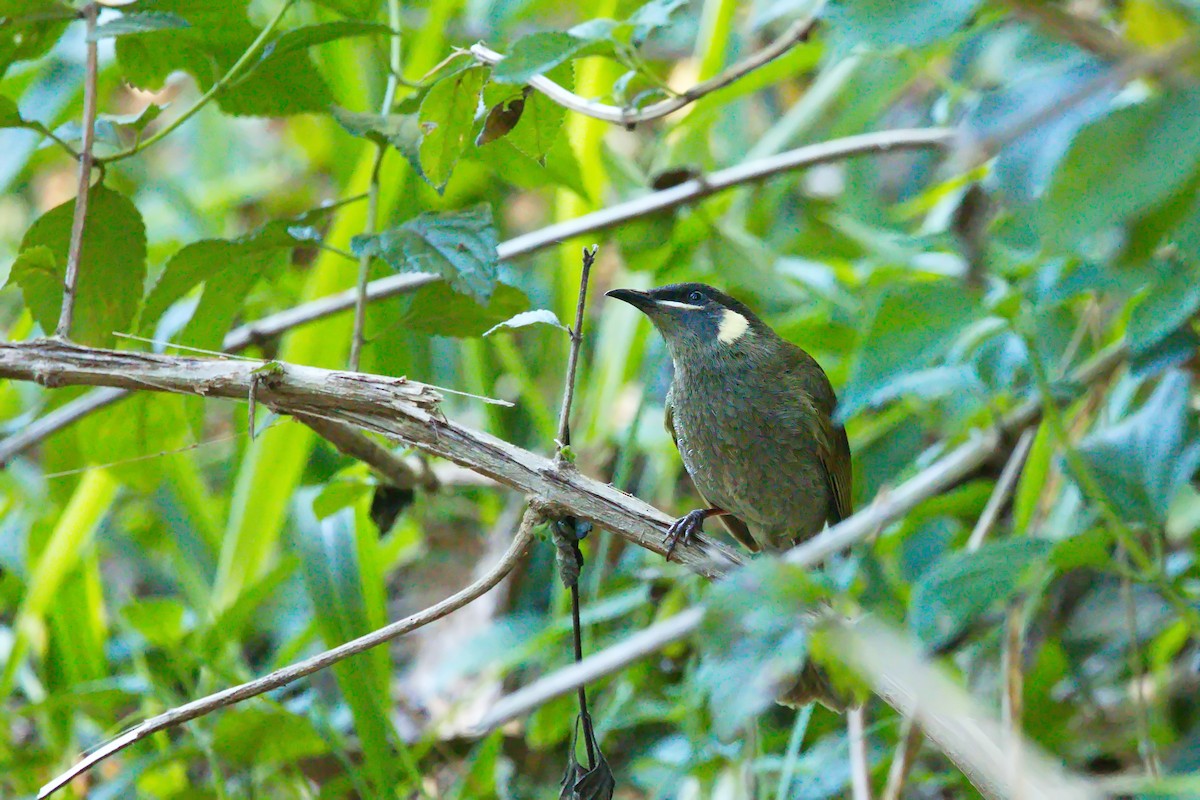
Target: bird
(752,416)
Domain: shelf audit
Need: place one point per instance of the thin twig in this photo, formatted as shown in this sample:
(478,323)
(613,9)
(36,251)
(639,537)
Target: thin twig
(1014,691)
(234,71)
(621,115)
(282,677)
(1141,703)
(75,248)
(1000,494)
(903,760)
(564,416)
(526,244)
(372,220)
(860,768)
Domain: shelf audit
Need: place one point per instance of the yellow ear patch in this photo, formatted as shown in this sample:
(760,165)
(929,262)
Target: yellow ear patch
(733,326)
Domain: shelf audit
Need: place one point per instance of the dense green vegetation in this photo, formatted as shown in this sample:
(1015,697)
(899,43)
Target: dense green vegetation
(1026,241)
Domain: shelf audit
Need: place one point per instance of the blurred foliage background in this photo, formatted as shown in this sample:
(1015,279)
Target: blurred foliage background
(153,551)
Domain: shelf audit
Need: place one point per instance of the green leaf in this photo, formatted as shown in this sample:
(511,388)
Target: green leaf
(351,8)
(340,493)
(122,435)
(138,22)
(217,36)
(39,275)
(459,246)
(227,268)
(446,118)
(1167,305)
(401,131)
(540,316)
(536,53)
(652,16)
(752,640)
(542,119)
(265,735)
(962,586)
(1142,461)
(1092,188)
(439,310)
(907,23)
(112,266)
(159,620)
(313,35)
(329,558)
(30,29)
(911,327)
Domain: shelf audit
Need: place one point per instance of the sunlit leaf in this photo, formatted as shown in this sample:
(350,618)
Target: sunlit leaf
(251,735)
(460,246)
(540,316)
(446,118)
(535,54)
(112,266)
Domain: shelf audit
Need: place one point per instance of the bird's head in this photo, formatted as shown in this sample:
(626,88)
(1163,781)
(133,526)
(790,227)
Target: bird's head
(695,318)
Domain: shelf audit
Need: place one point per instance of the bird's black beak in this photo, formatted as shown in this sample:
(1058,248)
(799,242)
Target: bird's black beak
(639,300)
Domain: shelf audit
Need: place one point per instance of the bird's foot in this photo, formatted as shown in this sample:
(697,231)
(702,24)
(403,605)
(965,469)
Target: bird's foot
(683,529)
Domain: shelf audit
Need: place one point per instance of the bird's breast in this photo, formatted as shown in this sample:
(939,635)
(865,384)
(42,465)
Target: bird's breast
(749,450)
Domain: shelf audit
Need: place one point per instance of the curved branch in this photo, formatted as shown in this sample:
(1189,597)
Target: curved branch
(282,677)
(621,115)
(525,244)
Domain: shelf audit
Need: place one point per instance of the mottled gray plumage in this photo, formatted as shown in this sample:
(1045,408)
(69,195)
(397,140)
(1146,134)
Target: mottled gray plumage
(752,416)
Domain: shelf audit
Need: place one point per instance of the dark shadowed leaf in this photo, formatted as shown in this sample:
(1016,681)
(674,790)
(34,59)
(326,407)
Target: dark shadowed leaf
(910,328)
(112,266)
(1167,305)
(446,118)
(502,117)
(912,23)
(1142,461)
(138,22)
(440,310)
(753,640)
(460,246)
(1160,145)
(962,586)
(540,316)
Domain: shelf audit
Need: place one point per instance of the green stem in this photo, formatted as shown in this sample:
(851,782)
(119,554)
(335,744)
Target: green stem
(251,52)
(372,221)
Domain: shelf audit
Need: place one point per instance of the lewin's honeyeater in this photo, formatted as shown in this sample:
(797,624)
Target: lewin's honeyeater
(752,416)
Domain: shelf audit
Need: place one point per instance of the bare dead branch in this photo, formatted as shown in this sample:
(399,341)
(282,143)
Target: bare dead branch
(903,760)
(550,236)
(1003,490)
(621,115)
(398,471)
(395,407)
(79,217)
(282,677)
(1084,33)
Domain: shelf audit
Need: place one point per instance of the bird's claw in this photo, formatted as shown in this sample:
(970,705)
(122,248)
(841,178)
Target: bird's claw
(683,529)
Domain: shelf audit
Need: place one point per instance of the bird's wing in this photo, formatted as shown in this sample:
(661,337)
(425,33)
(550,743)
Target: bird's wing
(737,529)
(834,450)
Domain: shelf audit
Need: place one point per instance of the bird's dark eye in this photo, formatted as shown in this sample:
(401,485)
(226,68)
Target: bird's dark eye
(695,297)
